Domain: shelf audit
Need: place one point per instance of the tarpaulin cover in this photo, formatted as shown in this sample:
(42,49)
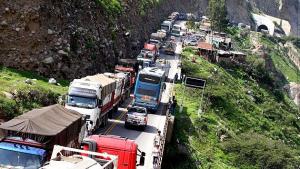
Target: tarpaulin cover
(47,121)
(108,84)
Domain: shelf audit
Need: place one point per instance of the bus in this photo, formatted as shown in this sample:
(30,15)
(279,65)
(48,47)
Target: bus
(149,87)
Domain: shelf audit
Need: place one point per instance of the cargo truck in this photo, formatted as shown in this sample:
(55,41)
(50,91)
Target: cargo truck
(128,67)
(170,47)
(167,26)
(94,97)
(29,138)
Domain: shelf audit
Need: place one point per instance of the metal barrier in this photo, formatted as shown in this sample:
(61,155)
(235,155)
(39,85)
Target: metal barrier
(164,136)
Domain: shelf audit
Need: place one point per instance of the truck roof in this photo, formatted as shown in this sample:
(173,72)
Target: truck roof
(166,22)
(23,149)
(114,142)
(154,71)
(46,121)
(108,84)
(149,46)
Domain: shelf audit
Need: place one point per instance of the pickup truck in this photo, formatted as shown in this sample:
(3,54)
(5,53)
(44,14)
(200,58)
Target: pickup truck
(136,116)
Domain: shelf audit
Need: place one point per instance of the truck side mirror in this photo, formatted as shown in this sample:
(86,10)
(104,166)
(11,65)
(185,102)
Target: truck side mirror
(142,159)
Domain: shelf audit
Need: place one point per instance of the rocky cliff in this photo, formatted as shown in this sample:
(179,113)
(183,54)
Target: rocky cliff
(72,38)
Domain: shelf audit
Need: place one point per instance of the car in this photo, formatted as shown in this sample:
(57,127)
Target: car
(191,42)
(136,116)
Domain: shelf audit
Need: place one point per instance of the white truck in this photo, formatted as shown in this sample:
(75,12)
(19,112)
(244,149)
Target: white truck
(167,26)
(176,30)
(70,158)
(93,96)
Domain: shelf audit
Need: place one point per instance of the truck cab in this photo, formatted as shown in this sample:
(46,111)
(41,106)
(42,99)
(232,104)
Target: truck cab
(22,154)
(176,30)
(125,149)
(167,26)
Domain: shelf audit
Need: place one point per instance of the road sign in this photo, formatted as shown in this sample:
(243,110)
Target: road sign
(195,82)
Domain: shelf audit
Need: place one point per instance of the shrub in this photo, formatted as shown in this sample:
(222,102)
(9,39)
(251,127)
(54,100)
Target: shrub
(8,108)
(29,97)
(261,151)
(112,7)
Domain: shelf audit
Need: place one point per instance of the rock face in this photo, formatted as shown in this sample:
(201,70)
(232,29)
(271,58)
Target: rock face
(73,38)
(239,11)
(294,92)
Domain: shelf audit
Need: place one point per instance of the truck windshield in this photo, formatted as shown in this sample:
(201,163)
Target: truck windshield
(83,102)
(149,79)
(146,92)
(18,160)
(176,31)
(165,27)
(145,55)
(136,110)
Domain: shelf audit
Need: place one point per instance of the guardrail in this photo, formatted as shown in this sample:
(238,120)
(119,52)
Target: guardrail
(165,130)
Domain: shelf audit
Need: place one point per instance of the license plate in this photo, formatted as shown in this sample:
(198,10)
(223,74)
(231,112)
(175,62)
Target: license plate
(146,98)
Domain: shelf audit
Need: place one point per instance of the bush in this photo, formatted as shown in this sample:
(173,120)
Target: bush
(261,151)
(112,7)
(29,97)
(8,108)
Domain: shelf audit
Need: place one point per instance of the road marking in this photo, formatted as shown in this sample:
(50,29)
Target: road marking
(115,123)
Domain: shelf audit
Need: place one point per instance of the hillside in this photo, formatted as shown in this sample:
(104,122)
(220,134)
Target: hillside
(69,39)
(21,91)
(248,120)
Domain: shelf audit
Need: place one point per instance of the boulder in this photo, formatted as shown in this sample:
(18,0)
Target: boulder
(52,81)
(48,60)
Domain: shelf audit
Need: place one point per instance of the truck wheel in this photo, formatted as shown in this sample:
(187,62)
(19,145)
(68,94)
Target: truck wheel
(104,120)
(97,124)
(126,125)
(143,128)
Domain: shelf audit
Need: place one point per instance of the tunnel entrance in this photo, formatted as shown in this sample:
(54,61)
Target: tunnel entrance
(262,27)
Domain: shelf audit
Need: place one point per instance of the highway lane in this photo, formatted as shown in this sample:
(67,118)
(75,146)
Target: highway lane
(156,121)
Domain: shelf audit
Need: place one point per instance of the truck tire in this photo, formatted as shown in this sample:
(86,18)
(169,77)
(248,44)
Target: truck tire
(97,124)
(104,120)
(143,128)
(126,125)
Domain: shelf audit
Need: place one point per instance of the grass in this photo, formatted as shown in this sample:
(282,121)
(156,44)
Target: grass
(281,60)
(27,96)
(236,106)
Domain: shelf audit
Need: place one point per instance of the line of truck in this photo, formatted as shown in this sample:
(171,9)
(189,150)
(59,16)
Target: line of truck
(29,139)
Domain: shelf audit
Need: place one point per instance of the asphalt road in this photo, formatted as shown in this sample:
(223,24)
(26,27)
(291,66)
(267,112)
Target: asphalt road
(156,121)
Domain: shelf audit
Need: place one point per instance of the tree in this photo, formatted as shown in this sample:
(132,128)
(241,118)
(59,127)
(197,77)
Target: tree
(217,14)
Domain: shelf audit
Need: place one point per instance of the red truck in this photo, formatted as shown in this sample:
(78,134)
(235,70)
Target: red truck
(126,150)
(127,66)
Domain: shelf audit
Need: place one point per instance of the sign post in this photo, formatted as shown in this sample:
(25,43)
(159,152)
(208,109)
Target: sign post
(197,83)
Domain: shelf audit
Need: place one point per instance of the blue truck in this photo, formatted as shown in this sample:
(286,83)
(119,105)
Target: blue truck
(149,87)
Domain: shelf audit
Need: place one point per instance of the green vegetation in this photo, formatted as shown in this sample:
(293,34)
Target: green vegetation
(279,63)
(112,7)
(145,4)
(217,14)
(26,96)
(246,122)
